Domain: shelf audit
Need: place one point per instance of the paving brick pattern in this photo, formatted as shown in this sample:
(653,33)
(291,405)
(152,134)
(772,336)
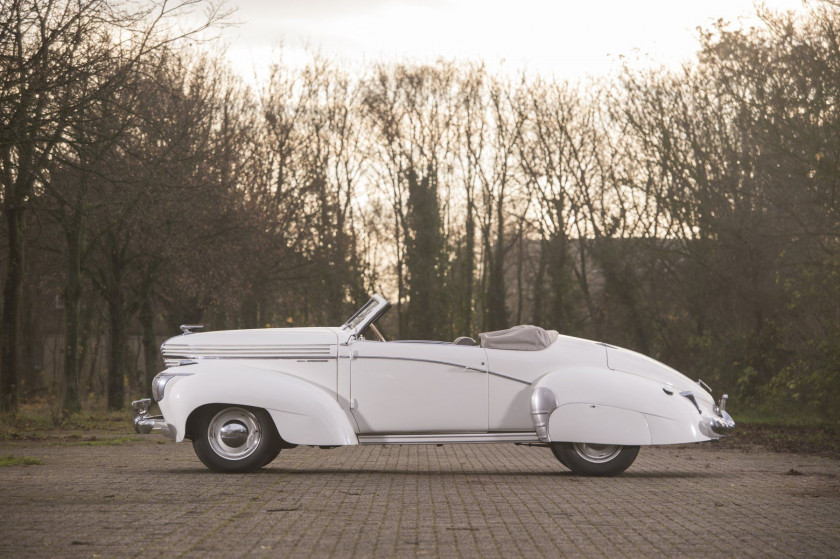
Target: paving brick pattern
(155,499)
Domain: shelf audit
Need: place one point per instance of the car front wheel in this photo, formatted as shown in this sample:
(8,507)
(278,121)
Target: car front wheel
(235,438)
(587,459)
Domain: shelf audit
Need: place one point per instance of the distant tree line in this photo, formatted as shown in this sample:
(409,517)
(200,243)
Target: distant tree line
(691,214)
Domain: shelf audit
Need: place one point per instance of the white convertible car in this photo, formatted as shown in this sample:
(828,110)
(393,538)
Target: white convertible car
(241,396)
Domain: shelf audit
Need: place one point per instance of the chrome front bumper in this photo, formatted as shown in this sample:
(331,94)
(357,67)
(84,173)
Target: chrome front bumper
(145,423)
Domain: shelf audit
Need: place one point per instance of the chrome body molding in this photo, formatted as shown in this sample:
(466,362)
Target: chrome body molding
(195,359)
(439,362)
(175,354)
(314,349)
(543,402)
(444,438)
(689,395)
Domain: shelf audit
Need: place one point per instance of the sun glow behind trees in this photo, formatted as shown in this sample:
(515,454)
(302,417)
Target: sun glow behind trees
(559,39)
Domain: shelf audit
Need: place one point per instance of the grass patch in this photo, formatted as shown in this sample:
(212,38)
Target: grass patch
(787,418)
(11,460)
(108,442)
(823,441)
(38,420)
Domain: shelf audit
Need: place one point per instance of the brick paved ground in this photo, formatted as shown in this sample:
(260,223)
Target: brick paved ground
(154,498)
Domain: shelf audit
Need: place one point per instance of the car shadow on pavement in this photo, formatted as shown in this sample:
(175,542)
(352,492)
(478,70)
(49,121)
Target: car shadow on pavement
(299,472)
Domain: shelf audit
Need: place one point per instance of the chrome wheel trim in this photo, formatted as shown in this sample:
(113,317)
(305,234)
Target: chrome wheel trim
(596,453)
(234,433)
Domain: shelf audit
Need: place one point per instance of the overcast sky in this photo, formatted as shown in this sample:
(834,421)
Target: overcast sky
(563,38)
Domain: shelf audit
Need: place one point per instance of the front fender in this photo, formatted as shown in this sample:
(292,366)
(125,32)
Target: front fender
(603,406)
(303,413)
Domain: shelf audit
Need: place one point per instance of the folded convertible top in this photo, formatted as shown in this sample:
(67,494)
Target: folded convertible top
(523,338)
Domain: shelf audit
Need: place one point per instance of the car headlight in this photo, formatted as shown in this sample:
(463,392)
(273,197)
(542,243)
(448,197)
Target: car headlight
(159,383)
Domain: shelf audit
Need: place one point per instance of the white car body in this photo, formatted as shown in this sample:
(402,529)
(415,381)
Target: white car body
(330,386)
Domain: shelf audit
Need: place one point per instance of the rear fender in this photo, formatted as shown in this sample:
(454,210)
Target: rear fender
(302,412)
(603,406)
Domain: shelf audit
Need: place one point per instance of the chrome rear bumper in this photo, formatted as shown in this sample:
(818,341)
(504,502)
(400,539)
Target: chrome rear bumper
(145,423)
(722,424)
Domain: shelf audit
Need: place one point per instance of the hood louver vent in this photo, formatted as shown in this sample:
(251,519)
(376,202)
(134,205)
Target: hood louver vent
(173,354)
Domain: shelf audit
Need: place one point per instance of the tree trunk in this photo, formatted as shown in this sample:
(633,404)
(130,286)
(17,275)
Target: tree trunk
(117,338)
(559,280)
(248,312)
(595,316)
(496,303)
(620,285)
(520,296)
(72,304)
(469,270)
(30,381)
(401,329)
(12,291)
(147,325)
(539,284)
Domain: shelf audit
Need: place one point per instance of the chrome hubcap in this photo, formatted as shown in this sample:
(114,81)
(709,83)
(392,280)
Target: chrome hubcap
(597,453)
(234,433)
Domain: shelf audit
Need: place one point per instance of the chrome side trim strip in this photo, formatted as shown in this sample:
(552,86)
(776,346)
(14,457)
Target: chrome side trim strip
(246,350)
(419,360)
(250,357)
(248,347)
(450,438)
(257,351)
(500,375)
(437,362)
(174,353)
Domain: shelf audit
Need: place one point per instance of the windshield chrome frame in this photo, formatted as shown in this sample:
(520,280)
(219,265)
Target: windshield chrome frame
(381,306)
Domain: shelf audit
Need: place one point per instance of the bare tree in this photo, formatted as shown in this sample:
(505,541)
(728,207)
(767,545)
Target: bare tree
(58,58)
(412,112)
(497,171)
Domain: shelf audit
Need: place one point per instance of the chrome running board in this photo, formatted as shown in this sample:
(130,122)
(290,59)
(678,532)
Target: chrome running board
(438,438)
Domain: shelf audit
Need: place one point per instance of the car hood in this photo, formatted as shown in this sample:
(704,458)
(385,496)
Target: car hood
(627,361)
(264,343)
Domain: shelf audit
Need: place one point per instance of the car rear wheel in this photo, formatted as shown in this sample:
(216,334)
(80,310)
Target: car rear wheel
(270,456)
(587,459)
(235,438)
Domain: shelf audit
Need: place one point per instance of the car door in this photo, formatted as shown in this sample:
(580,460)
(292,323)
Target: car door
(418,387)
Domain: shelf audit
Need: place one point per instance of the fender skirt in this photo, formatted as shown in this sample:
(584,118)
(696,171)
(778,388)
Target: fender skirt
(601,406)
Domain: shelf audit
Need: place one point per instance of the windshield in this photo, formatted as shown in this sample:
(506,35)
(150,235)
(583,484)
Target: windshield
(361,315)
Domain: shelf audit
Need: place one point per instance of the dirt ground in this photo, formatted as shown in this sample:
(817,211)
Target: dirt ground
(123,495)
